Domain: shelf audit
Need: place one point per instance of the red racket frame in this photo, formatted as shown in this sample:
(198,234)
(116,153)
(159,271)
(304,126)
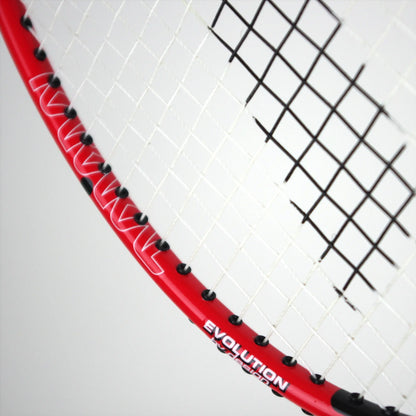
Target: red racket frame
(294,382)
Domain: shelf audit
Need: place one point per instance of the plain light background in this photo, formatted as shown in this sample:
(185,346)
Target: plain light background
(83,330)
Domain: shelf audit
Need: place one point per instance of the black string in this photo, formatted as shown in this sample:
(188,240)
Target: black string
(321,52)
(276,53)
(307,218)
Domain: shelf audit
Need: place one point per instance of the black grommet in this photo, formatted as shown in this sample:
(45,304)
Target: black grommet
(276,393)
(121,192)
(40,54)
(306,412)
(289,361)
(104,168)
(54,81)
(390,411)
(221,350)
(182,268)
(261,340)
(87,185)
(70,112)
(86,139)
(235,320)
(162,245)
(208,295)
(245,370)
(140,218)
(26,22)
(356,398)
(317,379)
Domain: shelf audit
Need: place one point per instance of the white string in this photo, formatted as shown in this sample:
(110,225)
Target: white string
(230,135)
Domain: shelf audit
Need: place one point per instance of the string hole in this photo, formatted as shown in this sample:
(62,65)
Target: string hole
(104,168)
(317,379)
(121,192)
(40,54)
(54,81)
(235,320)
(183,269)
(208,295)
(162,245)
(390,411)
(261,340)
(221,350)
(70,112)
(26,22)
(356,398)
(86,139)
(247,371)
(289,361)
(140,218)
(276,393)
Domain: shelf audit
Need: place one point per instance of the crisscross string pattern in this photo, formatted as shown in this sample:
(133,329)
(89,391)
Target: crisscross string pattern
(313,132)
(272,144)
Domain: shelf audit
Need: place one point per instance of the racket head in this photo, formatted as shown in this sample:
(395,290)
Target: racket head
(189,306)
